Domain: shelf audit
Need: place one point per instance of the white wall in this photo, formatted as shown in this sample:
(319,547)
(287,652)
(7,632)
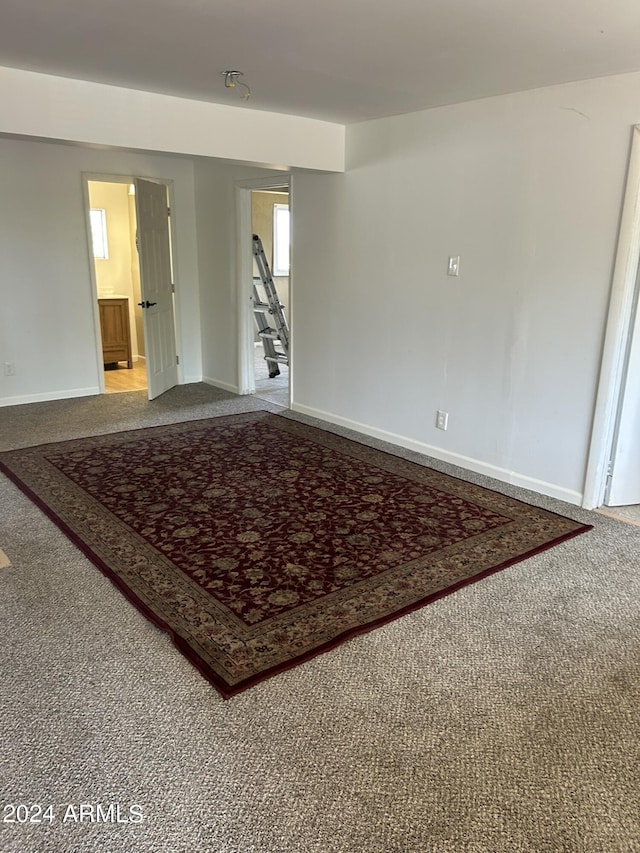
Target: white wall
(215,184)
(527,189)
(47,322)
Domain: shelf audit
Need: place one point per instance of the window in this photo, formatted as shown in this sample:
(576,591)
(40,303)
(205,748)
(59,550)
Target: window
(281,239)
(98,219)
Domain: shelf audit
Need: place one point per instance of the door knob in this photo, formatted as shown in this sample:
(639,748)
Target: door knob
(146,304)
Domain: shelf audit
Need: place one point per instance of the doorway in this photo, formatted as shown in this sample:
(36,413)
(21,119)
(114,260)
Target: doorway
(257,201)
(131,247)
(270,221)
(613,472)
(117,274)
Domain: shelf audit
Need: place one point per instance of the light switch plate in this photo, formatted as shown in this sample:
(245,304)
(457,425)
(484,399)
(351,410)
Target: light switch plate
(442,419)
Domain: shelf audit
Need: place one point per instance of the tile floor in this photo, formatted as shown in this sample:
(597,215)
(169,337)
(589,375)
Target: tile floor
(274,390)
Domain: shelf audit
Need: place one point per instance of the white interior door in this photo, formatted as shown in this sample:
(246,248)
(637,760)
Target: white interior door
(624,483)
(156,280)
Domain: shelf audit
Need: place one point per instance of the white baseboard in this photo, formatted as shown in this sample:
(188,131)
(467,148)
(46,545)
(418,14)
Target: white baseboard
(224,386)
(502,474)
(47,396)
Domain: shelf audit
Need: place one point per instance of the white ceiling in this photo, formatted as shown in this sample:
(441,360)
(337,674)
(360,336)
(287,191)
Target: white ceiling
(340,60)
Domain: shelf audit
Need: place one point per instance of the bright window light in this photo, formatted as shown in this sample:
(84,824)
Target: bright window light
(99,233)
(281,239)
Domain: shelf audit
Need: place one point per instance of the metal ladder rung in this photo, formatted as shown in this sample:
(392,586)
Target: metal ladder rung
(269,313)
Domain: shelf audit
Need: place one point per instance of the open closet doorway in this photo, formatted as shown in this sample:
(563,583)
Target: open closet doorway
(117,275)
(270,222)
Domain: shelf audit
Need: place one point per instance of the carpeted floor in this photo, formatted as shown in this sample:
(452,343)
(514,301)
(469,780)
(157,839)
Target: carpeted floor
(502,718)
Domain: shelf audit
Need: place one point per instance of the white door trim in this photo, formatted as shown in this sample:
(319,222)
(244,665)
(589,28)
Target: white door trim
(620,317)
(93,282)
(244,266)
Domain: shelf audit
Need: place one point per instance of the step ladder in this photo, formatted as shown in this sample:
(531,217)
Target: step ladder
(269,313)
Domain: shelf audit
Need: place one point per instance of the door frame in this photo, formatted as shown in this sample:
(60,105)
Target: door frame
(617,336)
(105,178)
(244,267)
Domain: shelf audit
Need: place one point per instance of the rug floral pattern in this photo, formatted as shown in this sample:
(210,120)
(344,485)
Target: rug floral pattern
(257,541)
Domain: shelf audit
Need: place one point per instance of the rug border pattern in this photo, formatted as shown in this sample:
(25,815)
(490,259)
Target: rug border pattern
(397,593)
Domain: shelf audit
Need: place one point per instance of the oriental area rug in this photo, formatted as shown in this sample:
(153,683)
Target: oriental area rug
(258,542)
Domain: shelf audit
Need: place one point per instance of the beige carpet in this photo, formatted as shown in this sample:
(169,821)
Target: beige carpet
(503,718)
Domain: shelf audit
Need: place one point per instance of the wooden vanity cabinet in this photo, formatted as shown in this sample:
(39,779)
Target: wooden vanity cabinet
(116,335)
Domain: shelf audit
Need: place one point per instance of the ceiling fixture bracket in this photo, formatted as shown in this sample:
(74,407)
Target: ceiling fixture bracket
(231,80)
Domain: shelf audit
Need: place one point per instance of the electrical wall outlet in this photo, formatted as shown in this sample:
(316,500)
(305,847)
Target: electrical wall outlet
(9,369)
(442,419)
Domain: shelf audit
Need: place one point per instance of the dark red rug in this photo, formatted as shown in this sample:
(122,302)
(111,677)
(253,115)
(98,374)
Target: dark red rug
(258,542)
